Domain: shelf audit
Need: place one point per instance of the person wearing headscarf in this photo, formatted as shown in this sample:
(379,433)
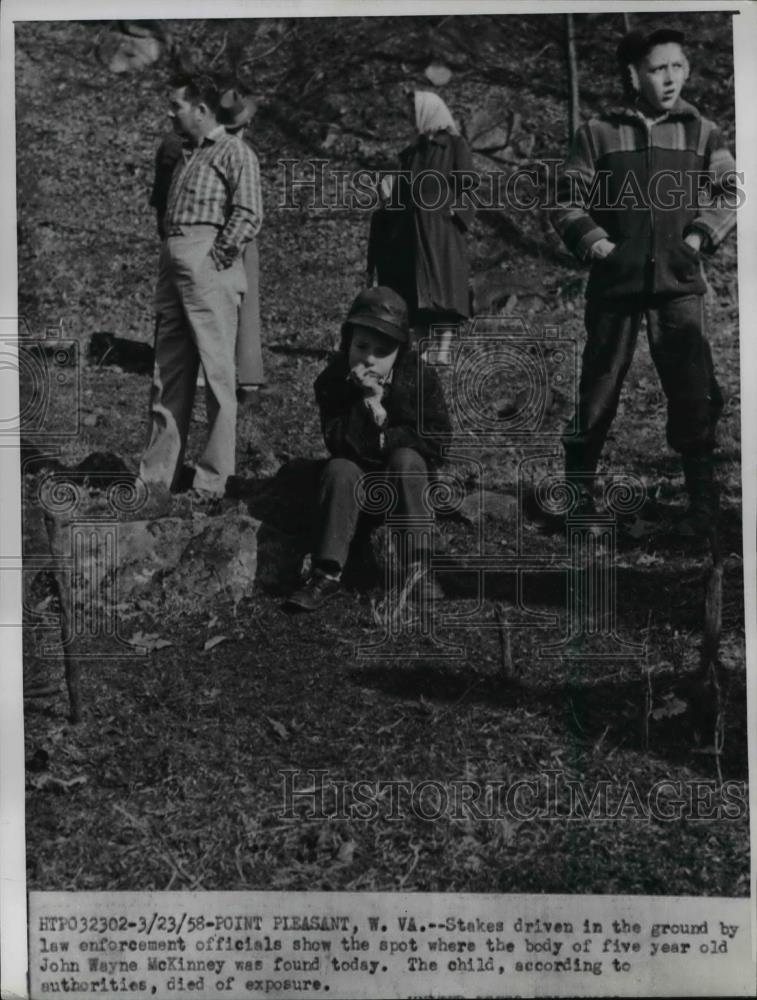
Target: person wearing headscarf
(417,244)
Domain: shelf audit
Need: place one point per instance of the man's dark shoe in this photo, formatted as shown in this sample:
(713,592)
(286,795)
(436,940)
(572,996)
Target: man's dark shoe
(315,592)
(253,398)
(249,399)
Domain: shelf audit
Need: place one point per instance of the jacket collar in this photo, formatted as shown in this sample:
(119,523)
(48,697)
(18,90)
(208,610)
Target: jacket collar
(216,133)
(680,110)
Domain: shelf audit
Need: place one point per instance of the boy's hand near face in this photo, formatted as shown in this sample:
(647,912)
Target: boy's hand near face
(371,357)
(371,385)
(368,381)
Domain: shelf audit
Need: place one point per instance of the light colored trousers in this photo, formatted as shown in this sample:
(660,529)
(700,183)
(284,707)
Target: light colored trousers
(197,309)
(249,350)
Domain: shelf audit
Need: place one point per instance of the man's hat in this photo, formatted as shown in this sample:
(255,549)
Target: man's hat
(380,309)
(236,109)
(635,45)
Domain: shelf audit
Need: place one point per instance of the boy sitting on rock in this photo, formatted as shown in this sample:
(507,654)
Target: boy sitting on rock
(629,202)
(370,410)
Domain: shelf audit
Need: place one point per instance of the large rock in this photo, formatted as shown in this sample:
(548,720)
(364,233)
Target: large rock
(169,559)
(110,542)
(221,558)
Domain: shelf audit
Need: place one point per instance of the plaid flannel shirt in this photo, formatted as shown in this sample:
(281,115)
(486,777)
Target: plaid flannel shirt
(218,184)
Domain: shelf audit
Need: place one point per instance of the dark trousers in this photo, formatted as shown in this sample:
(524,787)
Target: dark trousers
(682,357)
(338,507)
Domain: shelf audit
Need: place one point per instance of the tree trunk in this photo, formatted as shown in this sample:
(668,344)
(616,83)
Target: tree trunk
(570,56)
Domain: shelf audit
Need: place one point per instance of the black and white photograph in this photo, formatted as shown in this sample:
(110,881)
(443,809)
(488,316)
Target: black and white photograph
(378,536)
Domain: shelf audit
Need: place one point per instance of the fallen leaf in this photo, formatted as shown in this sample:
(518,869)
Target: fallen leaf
(149,640)
(278,728)
(346,852)
(672,706)
(215,641)
(389,726)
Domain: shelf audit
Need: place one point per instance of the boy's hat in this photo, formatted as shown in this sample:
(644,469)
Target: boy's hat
(236,109)
(380,309)
(635,45)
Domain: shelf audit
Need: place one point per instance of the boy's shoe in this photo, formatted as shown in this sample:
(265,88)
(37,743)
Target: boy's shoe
(315,592)
(203,501)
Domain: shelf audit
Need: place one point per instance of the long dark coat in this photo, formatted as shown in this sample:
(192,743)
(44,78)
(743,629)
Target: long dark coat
(420,252)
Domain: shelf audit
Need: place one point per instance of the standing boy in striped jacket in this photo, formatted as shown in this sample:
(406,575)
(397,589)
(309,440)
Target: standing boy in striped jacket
(630,201)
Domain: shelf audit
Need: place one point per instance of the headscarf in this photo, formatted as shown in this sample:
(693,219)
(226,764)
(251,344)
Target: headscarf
(432,114)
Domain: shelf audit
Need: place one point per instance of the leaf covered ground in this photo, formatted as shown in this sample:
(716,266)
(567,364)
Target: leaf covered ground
(176,778)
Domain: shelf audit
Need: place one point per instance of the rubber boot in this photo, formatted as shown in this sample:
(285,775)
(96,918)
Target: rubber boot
(702,513)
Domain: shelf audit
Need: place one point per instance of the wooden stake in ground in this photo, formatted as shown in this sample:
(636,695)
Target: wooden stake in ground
(508,670)
(711,670)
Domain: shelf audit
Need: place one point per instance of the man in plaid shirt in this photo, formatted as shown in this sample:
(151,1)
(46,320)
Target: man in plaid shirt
(214,209)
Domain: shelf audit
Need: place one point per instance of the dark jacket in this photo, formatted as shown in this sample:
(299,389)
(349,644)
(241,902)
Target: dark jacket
(412,422)
(635,184)
(420,252)
(391,253)
(167,157)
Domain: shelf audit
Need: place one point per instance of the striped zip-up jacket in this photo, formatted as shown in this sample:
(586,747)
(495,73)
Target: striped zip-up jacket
(645,184)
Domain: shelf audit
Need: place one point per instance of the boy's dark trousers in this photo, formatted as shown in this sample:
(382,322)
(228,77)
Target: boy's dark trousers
(338,507)
(682,357)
